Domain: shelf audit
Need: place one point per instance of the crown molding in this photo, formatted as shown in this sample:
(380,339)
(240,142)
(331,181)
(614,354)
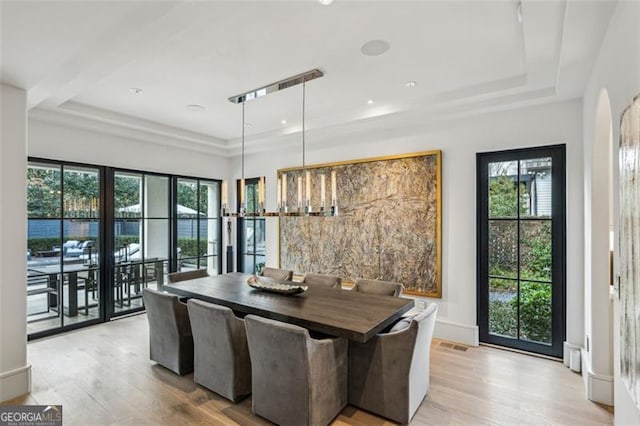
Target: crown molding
(319,133)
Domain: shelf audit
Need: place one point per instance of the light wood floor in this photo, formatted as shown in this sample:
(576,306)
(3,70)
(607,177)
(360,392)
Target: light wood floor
(102,376)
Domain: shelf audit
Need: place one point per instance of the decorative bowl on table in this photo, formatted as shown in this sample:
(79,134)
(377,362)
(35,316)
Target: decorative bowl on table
(275,286)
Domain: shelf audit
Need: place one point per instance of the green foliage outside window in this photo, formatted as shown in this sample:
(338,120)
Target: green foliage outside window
(126,192)
(43,192)
(535,314)
(190,247)
(44,186)
(188,194)
(503,196)
(535,264)
(502,318)
(535,311)
(252,197)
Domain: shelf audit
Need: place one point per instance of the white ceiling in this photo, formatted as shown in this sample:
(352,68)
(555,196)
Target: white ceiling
(80,58)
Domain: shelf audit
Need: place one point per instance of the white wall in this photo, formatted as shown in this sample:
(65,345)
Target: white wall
(459,141)
(597,363)
(61,142)
(15,373)
(617,70)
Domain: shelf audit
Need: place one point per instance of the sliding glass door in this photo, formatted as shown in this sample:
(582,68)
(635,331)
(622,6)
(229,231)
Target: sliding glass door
(63,246)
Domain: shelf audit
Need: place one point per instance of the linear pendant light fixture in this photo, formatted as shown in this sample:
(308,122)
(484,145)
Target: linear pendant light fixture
(274,87)
(304,207)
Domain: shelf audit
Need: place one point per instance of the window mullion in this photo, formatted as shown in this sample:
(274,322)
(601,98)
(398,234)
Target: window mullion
(518,251)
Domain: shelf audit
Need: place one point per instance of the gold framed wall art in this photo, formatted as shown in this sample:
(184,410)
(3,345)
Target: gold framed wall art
(388,227)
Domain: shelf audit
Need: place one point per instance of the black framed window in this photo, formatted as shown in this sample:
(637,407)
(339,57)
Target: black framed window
(198,224)
(97,236)
(521,248)
(141,237)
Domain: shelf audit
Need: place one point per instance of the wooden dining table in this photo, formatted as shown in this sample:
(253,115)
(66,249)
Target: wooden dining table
(336,312)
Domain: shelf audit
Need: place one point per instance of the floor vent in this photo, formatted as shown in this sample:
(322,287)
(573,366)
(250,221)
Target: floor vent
(453,346)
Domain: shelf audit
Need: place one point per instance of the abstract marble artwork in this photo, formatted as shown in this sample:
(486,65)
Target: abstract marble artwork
(629,156)
(388,226)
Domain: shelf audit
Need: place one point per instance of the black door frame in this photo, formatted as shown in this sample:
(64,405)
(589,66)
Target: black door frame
(558,255)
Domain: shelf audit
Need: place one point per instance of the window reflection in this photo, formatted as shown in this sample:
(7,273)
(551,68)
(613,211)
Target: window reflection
(251,253)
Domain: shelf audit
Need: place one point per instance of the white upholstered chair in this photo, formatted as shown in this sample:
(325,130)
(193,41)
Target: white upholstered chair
(389,374)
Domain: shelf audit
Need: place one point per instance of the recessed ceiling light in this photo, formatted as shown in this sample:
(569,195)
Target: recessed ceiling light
(283,122)
(135,90)
(370,101)
(375,47)
(195,108)
(324,2)
(411,83)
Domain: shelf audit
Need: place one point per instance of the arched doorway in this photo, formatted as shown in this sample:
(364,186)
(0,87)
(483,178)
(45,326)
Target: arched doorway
(599,245)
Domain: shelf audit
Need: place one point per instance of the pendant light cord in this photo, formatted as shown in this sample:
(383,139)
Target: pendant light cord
(304,87)
(243,141)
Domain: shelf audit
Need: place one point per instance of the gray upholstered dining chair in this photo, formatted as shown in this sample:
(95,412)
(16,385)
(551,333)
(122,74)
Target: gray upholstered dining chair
(389,374)
(170,339)
(297,380)
(187,275)
(277,274)
(221,355)
(325,280)
(386,288)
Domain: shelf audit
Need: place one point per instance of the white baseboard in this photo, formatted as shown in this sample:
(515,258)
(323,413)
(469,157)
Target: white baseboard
(567,348)
(15,383)
(454,332)
(600,388)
